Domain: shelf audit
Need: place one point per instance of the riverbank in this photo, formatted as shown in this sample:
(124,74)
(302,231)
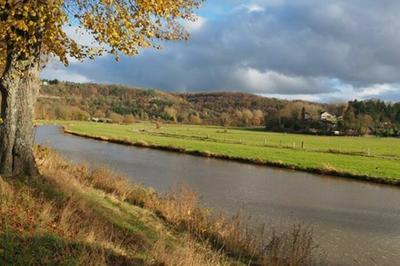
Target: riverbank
(74,215)
(380,163)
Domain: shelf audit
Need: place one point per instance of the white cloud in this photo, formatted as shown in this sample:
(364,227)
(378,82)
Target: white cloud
(81,36)
(55,70)
(255,8)
(377,89)
(249,8)
(198,24)
(277,83)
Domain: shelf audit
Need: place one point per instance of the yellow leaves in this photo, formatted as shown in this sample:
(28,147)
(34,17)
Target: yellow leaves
(20,24)
(108,2)
(114,25)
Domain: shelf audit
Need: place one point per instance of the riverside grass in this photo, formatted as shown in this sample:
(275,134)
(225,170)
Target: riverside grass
(366,158)
(73,215)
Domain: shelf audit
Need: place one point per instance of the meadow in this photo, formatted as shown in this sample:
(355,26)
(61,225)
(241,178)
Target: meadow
(368,158)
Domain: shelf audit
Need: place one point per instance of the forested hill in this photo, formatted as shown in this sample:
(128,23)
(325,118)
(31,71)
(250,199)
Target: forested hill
(72,101)
(64,100)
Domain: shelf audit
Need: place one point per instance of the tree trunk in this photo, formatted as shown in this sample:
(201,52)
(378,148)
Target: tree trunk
(19,87)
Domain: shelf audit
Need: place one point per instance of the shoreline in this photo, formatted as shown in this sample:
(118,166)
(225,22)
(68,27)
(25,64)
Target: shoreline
(205,154)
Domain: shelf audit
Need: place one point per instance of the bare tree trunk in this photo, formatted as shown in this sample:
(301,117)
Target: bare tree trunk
(19,86)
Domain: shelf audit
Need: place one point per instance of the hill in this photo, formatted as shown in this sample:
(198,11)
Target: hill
(65,100)
(120,104)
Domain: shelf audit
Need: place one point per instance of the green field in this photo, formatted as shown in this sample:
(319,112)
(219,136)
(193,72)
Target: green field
(370,158)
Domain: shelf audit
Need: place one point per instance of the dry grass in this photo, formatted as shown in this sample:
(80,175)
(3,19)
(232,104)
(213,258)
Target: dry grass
(230,235)
(188,255)
(329,168)
(96,217)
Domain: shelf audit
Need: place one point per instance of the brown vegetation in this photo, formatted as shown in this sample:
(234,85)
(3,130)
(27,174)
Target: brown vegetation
(228,109)
(96,217)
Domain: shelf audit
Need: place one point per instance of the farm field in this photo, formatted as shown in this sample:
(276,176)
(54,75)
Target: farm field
(369,158)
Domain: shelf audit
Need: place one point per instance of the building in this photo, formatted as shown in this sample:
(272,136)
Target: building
(328,117)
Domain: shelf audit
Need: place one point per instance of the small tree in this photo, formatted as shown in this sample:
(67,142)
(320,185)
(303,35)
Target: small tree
(247,117)
(171,112)
(195,119)
(32,30)
(129,119)
(349,118)
(115,118)
(225,119)
(258,118)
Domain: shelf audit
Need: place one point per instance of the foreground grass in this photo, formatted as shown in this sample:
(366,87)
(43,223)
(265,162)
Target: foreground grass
(367,158)
(71,215)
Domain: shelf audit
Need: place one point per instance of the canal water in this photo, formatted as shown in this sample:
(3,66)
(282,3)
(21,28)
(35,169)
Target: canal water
(355,223)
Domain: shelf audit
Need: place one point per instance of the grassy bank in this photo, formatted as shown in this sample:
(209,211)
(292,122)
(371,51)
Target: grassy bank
(71,215)
(366,158)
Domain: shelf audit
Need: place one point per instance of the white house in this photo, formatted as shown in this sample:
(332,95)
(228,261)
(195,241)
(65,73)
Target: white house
(325,116)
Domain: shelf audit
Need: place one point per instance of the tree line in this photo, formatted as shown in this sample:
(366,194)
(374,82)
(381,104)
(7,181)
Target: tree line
(354,118)
(71,101)
(120,104)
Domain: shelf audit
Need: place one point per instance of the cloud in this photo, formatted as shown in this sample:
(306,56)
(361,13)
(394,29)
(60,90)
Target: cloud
(272,82)
(274,47)
(255,8)
(55,70)
(198,24)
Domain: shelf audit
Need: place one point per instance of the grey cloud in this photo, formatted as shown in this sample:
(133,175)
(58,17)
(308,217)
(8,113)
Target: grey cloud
(296,47)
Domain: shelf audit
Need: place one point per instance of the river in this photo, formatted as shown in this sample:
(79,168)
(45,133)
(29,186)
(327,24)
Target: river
(355,223)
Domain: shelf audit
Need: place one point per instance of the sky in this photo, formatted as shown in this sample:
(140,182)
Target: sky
(324,51)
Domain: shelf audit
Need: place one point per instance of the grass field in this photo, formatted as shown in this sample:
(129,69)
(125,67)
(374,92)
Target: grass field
(369,158)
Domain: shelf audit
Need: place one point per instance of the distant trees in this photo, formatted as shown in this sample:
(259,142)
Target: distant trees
(228,109)
(294,116)
(225,109)
(247,117)
(99,114)
(226,120)
(349,119)
(379,117)
(171,112)
(51,82)
(195,119)
(61,113)
(258,118)
(244,117)
(116,118)
(354,118)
